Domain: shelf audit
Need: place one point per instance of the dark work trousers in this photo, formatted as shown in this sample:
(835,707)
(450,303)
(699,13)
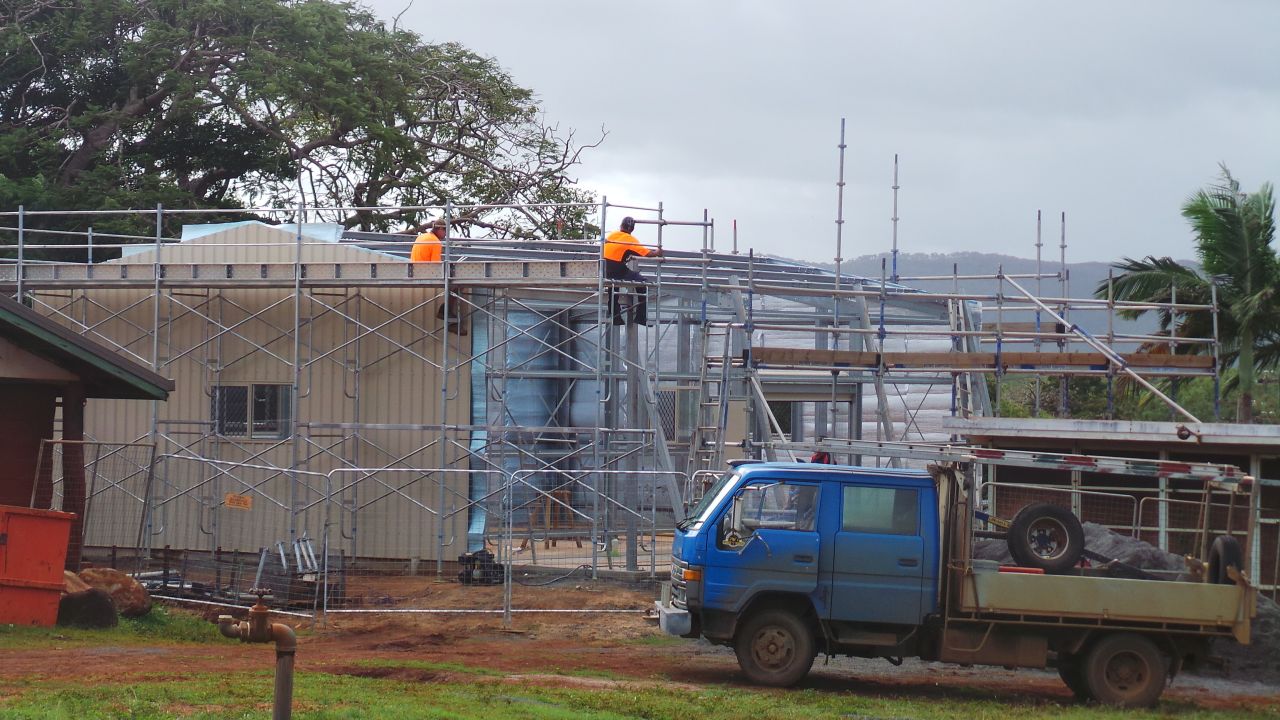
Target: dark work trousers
(614,270)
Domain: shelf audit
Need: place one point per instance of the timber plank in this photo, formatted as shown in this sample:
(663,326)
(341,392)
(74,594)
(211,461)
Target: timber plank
(777,357)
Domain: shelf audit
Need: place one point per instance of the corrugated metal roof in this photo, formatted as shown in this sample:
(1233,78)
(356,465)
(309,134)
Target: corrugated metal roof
(678,266)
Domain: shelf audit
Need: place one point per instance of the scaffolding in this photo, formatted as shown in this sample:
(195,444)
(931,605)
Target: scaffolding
(534,419)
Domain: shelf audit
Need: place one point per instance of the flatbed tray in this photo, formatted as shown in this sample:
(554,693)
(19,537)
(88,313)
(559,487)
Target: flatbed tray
(1219,609)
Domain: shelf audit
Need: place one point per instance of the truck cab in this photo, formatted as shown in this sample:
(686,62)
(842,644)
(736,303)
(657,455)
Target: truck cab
(785,560)
(778,558)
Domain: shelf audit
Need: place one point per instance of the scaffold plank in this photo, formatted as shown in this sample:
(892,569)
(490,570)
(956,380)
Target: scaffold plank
(781,357)
(503,273)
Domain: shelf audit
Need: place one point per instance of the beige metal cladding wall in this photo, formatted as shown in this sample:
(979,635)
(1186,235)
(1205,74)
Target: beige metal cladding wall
(397,383)
(401,384)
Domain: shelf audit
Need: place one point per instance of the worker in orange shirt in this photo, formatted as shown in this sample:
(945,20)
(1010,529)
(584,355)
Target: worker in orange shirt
(427,247)
(619,248)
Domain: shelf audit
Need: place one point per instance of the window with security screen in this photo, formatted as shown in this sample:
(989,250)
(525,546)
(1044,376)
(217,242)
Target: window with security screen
(256,410)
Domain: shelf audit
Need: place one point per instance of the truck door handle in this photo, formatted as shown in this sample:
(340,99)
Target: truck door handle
(908,562)
(803,558)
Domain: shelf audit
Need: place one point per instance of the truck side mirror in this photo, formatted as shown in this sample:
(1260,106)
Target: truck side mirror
(744,518)
(755,535)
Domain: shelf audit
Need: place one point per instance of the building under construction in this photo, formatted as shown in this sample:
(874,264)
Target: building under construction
(337,405)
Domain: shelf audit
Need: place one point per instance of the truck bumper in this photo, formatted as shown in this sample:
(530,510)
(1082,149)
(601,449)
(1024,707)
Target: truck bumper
(673,620)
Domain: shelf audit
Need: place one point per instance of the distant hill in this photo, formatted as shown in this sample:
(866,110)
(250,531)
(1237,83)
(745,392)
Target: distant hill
(1082,278)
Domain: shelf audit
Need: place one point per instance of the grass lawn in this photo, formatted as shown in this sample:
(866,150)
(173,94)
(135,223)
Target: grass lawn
(161,626)
(461,695)
(406,688)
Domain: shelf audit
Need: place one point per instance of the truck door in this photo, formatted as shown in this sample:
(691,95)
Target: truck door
(879,556)
(765,540)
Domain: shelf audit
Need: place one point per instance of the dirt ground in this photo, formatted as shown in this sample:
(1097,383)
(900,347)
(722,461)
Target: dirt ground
(540,647)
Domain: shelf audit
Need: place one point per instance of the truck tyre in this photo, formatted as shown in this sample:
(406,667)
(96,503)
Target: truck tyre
(1125,670)
(1046,536)
(775,648)
(1224,552)
(1071,670)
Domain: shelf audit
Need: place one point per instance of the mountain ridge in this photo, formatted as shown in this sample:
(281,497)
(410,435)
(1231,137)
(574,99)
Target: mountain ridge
(1082,278)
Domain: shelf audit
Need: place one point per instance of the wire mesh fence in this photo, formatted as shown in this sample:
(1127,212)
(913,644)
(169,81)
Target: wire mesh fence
(107,485)
(424,540)
(363,540)
(1181,518)
(1116,511)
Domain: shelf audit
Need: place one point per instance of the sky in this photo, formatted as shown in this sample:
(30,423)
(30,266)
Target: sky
(1112,112)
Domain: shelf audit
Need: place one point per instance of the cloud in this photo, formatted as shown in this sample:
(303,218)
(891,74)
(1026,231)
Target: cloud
(1113,112)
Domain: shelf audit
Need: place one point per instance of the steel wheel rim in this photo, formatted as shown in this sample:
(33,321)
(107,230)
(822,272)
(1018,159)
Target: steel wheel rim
(1050,533)
(773,648)
(1126,673)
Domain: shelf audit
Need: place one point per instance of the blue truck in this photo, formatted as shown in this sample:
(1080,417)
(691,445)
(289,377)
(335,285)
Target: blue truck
(783,561)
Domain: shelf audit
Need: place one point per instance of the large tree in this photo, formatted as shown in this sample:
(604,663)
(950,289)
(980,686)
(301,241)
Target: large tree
(237,103)
(1234,231)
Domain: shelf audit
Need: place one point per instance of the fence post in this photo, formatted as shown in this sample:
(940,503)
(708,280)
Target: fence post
(22,247)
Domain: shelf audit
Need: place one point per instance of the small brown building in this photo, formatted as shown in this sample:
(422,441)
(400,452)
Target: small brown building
(45,367)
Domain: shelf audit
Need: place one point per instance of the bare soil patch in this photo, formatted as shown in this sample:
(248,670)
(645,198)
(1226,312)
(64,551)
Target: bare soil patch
(588,650)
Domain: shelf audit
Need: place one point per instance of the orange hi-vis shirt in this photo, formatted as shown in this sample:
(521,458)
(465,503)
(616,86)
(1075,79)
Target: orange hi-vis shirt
(619,243)
(426,248)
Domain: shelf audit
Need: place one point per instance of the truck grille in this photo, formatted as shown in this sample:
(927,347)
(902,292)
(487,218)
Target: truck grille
(678,585)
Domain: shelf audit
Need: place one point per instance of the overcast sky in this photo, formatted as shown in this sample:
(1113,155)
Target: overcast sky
(1113,112)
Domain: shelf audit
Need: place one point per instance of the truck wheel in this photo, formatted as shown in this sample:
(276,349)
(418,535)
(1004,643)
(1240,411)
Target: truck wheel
(1125,670)
(1046,536)
(1071,670)
(1224,553)
(775,647)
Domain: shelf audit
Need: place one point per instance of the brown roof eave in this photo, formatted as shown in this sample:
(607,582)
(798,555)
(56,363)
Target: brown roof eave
(106,373)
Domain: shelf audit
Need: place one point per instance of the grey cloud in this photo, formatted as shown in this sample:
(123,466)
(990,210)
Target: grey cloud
(1114,112)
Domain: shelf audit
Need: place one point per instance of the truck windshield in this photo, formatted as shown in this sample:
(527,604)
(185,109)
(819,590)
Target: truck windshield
(710,499)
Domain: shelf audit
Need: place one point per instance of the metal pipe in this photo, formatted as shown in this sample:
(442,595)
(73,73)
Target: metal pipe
(894,276)
(1110,354)
(1064,387)
(22,243)
(835,321)
(1217,377)
(1039,292)
(259,629)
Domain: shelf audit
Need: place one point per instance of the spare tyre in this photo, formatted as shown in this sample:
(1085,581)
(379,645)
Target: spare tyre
(1225,552)
(1046,536)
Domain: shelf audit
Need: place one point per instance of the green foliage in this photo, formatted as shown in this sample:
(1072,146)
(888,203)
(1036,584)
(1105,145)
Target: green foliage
(1086,397)
(1234,232)
(109,104)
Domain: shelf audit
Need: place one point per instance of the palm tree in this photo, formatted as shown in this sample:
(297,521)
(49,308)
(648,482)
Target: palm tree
(1233,231)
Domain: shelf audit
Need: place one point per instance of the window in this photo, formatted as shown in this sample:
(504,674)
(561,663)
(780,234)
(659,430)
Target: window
(771,506)
(230,410)
(260,411)
(888,511)
(782,412)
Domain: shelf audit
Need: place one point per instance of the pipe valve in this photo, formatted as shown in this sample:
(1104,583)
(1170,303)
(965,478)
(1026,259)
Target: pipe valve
(259,629)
